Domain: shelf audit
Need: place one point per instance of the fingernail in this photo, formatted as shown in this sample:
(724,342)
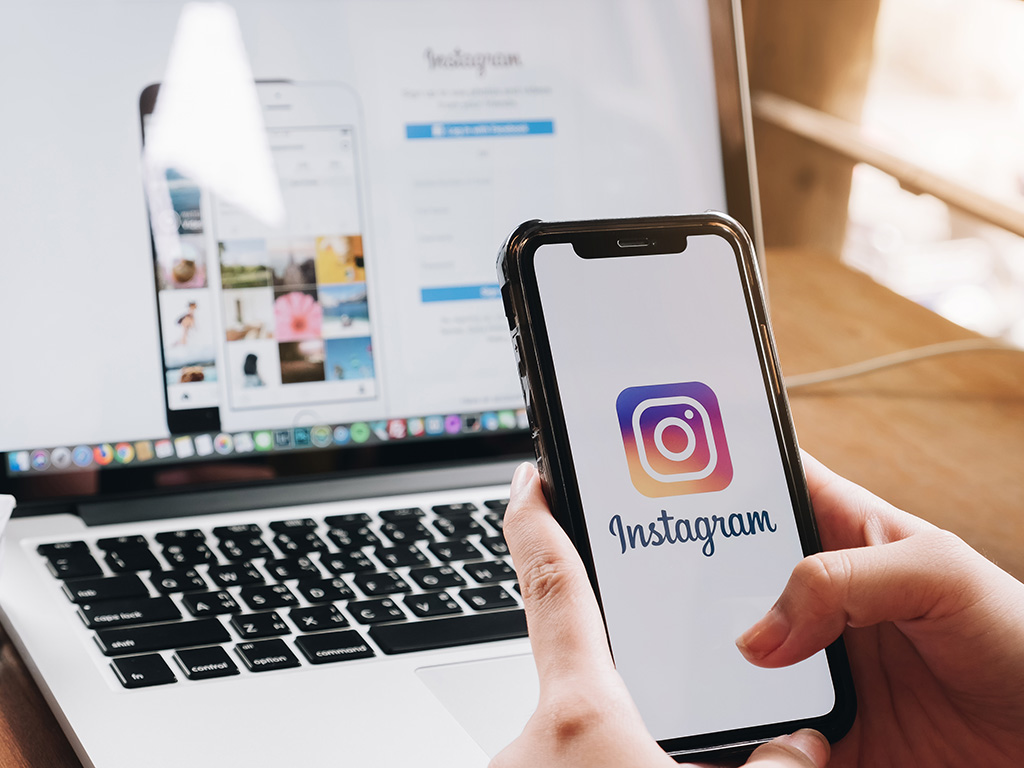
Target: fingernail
(765,636)
(524,473)
(812,744)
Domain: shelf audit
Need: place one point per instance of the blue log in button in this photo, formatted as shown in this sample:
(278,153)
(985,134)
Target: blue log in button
(460,293)
(479,129)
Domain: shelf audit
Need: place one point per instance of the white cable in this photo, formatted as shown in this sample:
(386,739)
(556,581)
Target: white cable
(897,358)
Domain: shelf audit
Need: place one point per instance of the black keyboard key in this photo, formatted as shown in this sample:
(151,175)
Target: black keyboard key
(251,626)
(236,575)
(244,547)
(375,611)
(289,526)
(444,633)
(239,530)
(432,604)
(385,583)
(325,590)
(347,562)
(138,610)
(488,573)
(440,577)
(192,536)
(352,538)
(104,588)
(454,510)
(401,533)
(292,568)
(457,527)
(317,618)
(456,549)
(497,505)
(205,663)
(356,520)
(266,655)
(63,549)
(268,596)
(334,646)
(210,603)
(179,580)
(161,637)
(402,515)
(396,557)
(495,545)
(189,554)
(488,598)
(299,543)
(132,559)
(122,542)
(496,521)
(73,565)
(143,671)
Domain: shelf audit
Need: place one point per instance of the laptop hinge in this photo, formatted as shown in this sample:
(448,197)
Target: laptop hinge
(366,485)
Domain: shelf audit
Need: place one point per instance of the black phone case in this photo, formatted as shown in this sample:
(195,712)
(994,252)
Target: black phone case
(550,438)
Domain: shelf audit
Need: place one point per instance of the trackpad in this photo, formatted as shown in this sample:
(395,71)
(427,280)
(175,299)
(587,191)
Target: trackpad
(492,698)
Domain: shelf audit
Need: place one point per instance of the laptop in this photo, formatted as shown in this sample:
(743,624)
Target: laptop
(260,407)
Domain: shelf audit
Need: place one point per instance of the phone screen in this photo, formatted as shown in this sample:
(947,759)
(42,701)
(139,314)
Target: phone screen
(683,488)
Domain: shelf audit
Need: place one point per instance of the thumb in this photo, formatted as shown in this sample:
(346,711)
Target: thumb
(909,579)
(566,630)
(803,749)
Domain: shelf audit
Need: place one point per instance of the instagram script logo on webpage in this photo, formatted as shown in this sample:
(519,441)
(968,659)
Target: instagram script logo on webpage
(674,439)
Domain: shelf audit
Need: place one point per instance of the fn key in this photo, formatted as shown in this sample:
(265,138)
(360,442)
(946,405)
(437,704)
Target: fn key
(142,671)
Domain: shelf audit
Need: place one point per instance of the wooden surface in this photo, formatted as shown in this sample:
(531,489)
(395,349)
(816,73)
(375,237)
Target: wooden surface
(942,438)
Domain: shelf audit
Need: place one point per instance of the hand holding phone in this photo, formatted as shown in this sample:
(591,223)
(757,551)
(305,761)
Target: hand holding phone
(586,716)
(936,637)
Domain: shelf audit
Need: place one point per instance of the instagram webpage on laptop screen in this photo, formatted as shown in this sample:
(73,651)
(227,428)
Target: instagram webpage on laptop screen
(683,489)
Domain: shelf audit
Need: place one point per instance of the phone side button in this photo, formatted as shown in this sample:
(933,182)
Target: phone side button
(517,349)
(772,365)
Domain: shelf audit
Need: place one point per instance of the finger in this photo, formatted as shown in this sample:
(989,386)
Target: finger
(803,749)
(566,630)
(851,516)
(901,581)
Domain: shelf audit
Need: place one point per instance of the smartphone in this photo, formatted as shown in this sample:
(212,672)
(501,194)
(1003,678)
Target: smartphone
(667,452)
(266,324)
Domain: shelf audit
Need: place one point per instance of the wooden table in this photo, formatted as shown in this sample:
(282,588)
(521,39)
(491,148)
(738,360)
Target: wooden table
(942,438)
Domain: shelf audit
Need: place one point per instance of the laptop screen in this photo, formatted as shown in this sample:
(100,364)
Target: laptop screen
(259,239)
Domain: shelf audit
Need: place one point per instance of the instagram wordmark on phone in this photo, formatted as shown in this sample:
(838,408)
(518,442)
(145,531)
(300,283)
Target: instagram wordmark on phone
(674,439)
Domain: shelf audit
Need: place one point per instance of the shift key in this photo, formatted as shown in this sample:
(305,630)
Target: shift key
(161,637)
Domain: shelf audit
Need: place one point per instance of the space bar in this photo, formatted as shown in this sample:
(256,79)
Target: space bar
(443,633)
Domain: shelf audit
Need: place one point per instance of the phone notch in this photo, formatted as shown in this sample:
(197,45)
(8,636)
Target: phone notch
(597,245)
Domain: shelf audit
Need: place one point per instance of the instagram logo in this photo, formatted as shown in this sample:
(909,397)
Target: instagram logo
(674,439)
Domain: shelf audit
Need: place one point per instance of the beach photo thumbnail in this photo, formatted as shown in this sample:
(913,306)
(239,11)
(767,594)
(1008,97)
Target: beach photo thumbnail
(345,308)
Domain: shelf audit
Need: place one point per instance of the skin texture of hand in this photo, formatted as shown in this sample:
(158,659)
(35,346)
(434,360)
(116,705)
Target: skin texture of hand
(585,716)
(934,631)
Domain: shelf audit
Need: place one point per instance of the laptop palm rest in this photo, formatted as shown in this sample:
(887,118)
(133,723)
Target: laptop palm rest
(491,699)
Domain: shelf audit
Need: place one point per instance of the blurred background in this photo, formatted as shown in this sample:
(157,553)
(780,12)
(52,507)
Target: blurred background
(890,134)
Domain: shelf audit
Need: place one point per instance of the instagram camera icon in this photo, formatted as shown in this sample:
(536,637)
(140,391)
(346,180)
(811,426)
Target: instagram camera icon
(674,439)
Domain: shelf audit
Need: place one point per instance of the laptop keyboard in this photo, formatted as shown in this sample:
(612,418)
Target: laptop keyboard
(243,598)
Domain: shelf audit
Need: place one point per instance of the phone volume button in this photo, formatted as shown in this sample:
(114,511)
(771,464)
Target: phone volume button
(517,349)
